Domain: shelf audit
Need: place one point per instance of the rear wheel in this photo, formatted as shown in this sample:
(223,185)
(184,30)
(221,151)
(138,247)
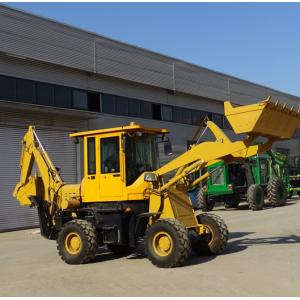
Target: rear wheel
(77,242)
(167,243)
(276,192)
(203,202)
(215,239)
(255,197)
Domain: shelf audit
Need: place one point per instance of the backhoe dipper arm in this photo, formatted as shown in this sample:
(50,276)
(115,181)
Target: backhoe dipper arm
(46,185)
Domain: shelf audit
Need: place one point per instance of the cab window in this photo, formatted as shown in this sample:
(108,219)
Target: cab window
(91,156)
(110,162)
(217,176)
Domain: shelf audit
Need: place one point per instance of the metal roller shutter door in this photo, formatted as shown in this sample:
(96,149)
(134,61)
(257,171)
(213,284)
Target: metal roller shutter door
(61,149)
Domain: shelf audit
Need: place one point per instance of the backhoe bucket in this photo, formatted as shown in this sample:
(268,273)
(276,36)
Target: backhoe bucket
(266,118)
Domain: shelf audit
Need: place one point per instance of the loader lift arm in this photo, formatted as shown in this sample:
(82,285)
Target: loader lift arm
(256,120)
(39,190)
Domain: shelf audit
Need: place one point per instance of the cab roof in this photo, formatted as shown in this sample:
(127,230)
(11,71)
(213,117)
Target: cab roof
(130,128)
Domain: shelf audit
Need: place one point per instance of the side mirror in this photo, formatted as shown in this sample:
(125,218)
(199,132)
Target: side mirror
(150,177)
(168,148)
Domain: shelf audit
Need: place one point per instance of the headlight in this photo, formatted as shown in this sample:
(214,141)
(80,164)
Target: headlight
(150,177)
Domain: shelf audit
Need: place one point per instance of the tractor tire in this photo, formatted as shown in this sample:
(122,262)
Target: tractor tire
(167,244)
(215,241)
(255,197)
(118,249)
(77,242)
(232,202)
(203,203)
(276,192)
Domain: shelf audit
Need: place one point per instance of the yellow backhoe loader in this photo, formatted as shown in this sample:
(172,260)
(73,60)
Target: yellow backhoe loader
(123,198)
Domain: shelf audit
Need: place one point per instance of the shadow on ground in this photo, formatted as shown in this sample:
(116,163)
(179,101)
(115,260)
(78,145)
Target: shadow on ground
(245,206)
(104,254)
(242,242)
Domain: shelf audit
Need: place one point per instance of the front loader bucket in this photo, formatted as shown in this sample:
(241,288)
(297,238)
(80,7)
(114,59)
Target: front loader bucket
(266,118)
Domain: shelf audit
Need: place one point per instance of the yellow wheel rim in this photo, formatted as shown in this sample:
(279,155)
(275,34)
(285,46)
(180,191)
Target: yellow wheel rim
(73,243)
(162,243)
(209,234)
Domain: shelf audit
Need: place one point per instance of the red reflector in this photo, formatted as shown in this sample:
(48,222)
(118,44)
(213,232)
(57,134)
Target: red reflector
(230,187)
(204,188)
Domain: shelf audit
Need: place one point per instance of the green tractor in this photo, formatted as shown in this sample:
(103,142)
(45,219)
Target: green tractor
(293,175)
(287,168)
(252,180)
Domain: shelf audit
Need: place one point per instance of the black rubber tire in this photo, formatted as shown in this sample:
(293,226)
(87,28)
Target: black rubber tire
(118,249)
(139,250)
(276,192)
(298,193)
(215,243)
(232,202)
(87,233)
(255,197)
(180,243)
(203,203)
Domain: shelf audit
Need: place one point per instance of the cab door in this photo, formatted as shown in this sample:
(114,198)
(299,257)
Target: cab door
(90,182)
(111,171)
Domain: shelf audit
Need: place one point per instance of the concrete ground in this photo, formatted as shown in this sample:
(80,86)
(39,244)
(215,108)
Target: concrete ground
(262,259)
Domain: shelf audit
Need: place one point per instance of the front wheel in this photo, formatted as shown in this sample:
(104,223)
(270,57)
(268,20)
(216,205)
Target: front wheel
(77,242)
(167,243)
(214,240)
(255,197)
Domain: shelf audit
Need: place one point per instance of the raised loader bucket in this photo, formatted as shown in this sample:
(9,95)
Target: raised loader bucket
(265,118)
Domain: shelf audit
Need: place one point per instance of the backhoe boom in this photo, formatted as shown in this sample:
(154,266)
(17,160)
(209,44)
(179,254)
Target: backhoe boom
(45,185)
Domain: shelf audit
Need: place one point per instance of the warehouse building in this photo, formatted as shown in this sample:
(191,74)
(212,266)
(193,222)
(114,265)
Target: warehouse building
(63,79)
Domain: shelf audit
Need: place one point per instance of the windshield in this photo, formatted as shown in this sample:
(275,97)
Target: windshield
(294,165)
(141,156)
(237,174)
(264,170)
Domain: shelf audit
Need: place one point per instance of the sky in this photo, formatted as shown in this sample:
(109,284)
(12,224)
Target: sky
(259,42)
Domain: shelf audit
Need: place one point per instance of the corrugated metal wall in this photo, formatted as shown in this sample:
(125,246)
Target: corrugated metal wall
(60,147)
(39,39)
(123,61)
(30,36)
